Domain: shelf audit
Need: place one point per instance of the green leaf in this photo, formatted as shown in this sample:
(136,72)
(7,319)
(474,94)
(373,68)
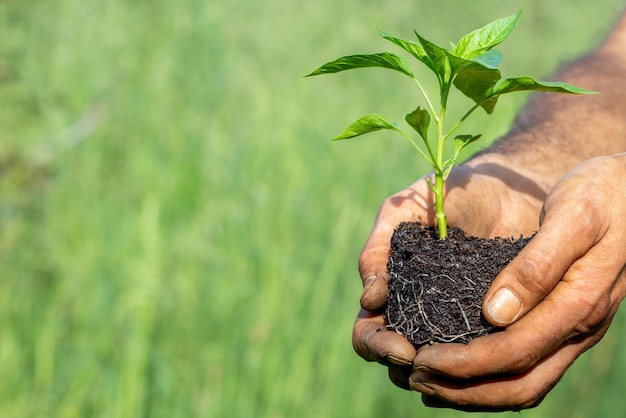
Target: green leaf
(485,38)
(490,59)
(439,58)
(419,119)
(475,80)
(461,141)
(368,123)
(411,47)
(489,104)
(513,84)
(382,60)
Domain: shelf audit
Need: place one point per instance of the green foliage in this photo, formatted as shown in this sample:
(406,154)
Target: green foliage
(471,66)
(384,60)
(175,242)
(368,123)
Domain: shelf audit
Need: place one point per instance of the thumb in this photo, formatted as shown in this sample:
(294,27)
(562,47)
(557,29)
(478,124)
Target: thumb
(537,269)
(373,267)
(407,205)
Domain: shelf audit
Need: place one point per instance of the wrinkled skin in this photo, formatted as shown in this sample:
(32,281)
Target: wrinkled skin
(560,171)
(560,296)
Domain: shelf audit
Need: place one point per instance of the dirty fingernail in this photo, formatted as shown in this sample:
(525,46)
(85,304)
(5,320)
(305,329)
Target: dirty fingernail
(375,292)
(419,381)
(399,361)
(369,281)
(504,306)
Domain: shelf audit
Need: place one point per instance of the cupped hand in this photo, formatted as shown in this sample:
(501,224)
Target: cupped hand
(483,197)
(556,300)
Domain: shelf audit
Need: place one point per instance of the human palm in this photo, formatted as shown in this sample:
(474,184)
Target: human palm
(483,197)
(556,299)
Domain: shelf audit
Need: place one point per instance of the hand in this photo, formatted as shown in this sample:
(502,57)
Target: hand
(506,203)
(557,299)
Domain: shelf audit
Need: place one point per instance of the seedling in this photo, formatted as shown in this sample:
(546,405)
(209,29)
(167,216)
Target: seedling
(471,66)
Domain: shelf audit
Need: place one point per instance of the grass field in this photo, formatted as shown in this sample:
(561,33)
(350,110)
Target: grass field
(177,236)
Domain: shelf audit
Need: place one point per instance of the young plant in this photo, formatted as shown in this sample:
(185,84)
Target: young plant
(471,66)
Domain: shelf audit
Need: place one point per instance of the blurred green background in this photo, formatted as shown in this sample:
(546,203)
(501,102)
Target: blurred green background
(178,238)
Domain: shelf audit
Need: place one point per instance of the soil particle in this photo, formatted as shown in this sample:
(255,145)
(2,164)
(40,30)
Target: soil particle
(436,287)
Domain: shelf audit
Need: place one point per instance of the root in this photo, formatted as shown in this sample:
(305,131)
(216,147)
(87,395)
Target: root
(436,288)
(407,321)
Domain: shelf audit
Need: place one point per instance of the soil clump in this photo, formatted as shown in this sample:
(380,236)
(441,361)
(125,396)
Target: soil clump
(436,287)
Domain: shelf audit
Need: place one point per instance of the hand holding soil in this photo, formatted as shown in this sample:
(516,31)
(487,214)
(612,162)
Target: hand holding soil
(561,291)
(506,204)
(560,295)
(556,299)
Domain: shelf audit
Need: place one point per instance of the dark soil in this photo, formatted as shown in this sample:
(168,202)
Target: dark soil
(436,287)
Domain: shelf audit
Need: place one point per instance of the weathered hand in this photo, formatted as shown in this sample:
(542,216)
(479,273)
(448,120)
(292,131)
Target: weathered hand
(557,299)
(506,204)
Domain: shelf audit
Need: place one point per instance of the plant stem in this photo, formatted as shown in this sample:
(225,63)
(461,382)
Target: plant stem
(440,215)
(429,158)
(460,121)
(430,105)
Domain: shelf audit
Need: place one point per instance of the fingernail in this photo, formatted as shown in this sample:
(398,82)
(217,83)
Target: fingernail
(419,381)
(375,293)
(369,281)
(421,368)
(504,306)
(399,361)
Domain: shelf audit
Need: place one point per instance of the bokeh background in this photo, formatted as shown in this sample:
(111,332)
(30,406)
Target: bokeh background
(178,237)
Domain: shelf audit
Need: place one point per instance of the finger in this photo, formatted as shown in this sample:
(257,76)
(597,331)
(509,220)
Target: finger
(400,375)
(373,342)
(405,206)
(503,392)
(561,317)
(375,289)
(566,235)
(373,263)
